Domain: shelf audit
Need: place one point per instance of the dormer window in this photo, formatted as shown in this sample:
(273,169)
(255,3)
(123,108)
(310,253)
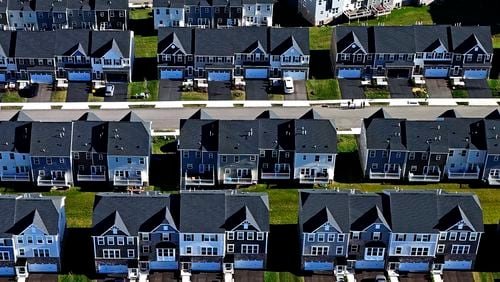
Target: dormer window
(115,231)
(245,226)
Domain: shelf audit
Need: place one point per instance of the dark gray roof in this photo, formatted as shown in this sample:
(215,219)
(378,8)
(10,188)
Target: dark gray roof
(103,41)
(89,116)
(394,39)
(315,136)
(492,134)
(168,3)
(430,37)
(198,134)
(21,5)
(238,137)
(51,139)
(128,138)
(135,211)
(15,136)
(70,40)
(267,114)
(277,134)
(181,38)
(431,211)
(7,42)
(236,40)
(50,5)
(463,38)
(217,211)
(20,212)
(35,44)
(495,114)
(281,39)
(21,116)
(467,133)
(429,136)
(201,114)
(84,5)
(90,136)
(385,134)
(345,36)
(311,114)
(111,4)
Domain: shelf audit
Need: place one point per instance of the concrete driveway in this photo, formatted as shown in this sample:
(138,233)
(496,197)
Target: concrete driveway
(248,275)
(400,88)
(256,89)
(300,91)
(37,93)
(478,88)
(438,88)
(351,89)
(78,92)
(169,90)
(120,94)
(219,90)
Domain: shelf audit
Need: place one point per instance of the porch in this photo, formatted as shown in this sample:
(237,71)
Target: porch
(22,176)
(381,10)
(280,171)
(53,180)
(428,175)
(91,177)
(239,176)
(470,172)
(127,181)
(315,178)
(494,177)
(389,172)
(358,13)
(202,179)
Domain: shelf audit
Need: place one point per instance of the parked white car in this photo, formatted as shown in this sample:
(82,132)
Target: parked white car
(110,90)
(288,85)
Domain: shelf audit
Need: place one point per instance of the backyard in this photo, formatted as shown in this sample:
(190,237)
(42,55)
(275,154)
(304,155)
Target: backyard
(322,89)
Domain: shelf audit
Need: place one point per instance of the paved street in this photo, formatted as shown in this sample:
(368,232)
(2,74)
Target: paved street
(169,118)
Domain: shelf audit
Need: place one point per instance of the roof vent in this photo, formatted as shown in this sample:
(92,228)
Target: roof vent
(121,148)
(439,127)
(250,133)
(439,137)
(466,139)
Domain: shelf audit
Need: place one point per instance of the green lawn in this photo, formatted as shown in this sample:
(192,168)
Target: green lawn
(323,89)
(496,41)
(137,87)
(78,207)
(403,16)
(320,37)
(58,96)
(73,278)
(140,14)
(194,96)
(12,97)
(486,276)
(494,86)
(238,95)
(93,98)
(281,277)
(459,93)
(375,93)
(159,142)
(346,143)
(145,46)
(276,97)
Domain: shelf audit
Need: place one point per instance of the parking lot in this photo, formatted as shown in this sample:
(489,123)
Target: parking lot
(219,90)
(478,88)
(438,88)
(400,88)
(78,92)
(256,89)
(169,90)
(351,89)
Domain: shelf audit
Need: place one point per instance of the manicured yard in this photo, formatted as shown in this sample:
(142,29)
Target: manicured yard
(320,37)
(281,277)
(495,87)
(78,207)
(73,278)
(12,97)
(403,16)
(346,143)
(59,96)
(486,276)
(375,93)
(459,93)
(137,87)
(159,142)
(145,46)
(140,14)
(323,89)
(194,96)
(238,95)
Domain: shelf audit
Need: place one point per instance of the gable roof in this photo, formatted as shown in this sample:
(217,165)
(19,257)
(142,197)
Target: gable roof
(127,138)
(51,139)
(35,44)
(464,38)
(68,41)
(345,36)
(103,41)
(7,42)
(250,207)
(113,220)
(90,136)
(315,136)
(238,137)
(182,38)
(111,4)
(89,116)
(200,114)
(282,39)
(21,116)
(267,114)
(320,218)
(15,136)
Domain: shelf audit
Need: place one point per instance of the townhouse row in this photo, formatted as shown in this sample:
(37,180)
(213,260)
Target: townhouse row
(437,51)
(87,150)
(212,14)
(47,57)
(218,231)
(243,152)
(227,54)
(63,14)
(324,12)
(450,146)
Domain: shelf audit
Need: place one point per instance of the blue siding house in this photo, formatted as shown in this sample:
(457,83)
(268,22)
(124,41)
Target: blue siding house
(491,173)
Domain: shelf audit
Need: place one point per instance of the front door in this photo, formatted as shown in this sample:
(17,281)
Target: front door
(143,266)
(394,266)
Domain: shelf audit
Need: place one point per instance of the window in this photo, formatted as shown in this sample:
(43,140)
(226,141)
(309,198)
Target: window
(319,250)
(340,238)
(230,248)
(4,256)
(110,240)
(120,241)
(240,236)
(321,237)
(208,251)
(463,236)
(61,160)
(165,236)
(453,236)
(41,253)
(130,253)
(376,236)
(130,240)
(424,156)
(20,240)
(223,159)
(188,237)
(49,161)
(310,237)
(249,249)
(189,250)
(141,160)
(145,249)
(253,158)
(39,240)
(145,236)
(21,252)
(440,249)
(250,236)
(209,238)
(29,239)
(330,158)
(422,237)
(411,156)
(36,160)
(236,159)
(230,235)
(398,250)
(100,240)
(372,154)
(339,250)
(260,236)
(419,251)
(109,253)
(442,236)
(460,249)
(473,236)
(438,157)
(374,253)
(355,235)
(185,154)
(354,248)
(316,158)
(330,237)
(165,254)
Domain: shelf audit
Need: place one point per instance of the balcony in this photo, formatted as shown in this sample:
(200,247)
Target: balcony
(426,176)
(24,176)
(239,178)
(381,10)
(390,173)
(281,172)
(52,181)
(468,173)
(358,13)
(204,179)
(127,181)
(317,178)
(494,177)
(91,177)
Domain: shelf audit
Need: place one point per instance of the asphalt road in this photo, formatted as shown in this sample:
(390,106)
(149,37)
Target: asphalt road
(169,118)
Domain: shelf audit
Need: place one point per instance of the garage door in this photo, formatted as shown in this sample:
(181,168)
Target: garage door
(41,78)
(40,267)
(110,268)
(249,264)
(7,271)
(171,74)
(255,73)
(436,72)
(475,74)
(206,266)
(349,73)
(296,75)
(318,266)
(2,76)
(79,76)
(219,76)
(398,73)
(457,265)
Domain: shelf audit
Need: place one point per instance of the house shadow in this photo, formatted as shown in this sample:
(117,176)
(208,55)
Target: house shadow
(488,250)
(347,168)
(495,70)
(320,64)
(285,14)
(144,68)
(284,249)
(482,12)
(143,27)
(77,252)
(164,172)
